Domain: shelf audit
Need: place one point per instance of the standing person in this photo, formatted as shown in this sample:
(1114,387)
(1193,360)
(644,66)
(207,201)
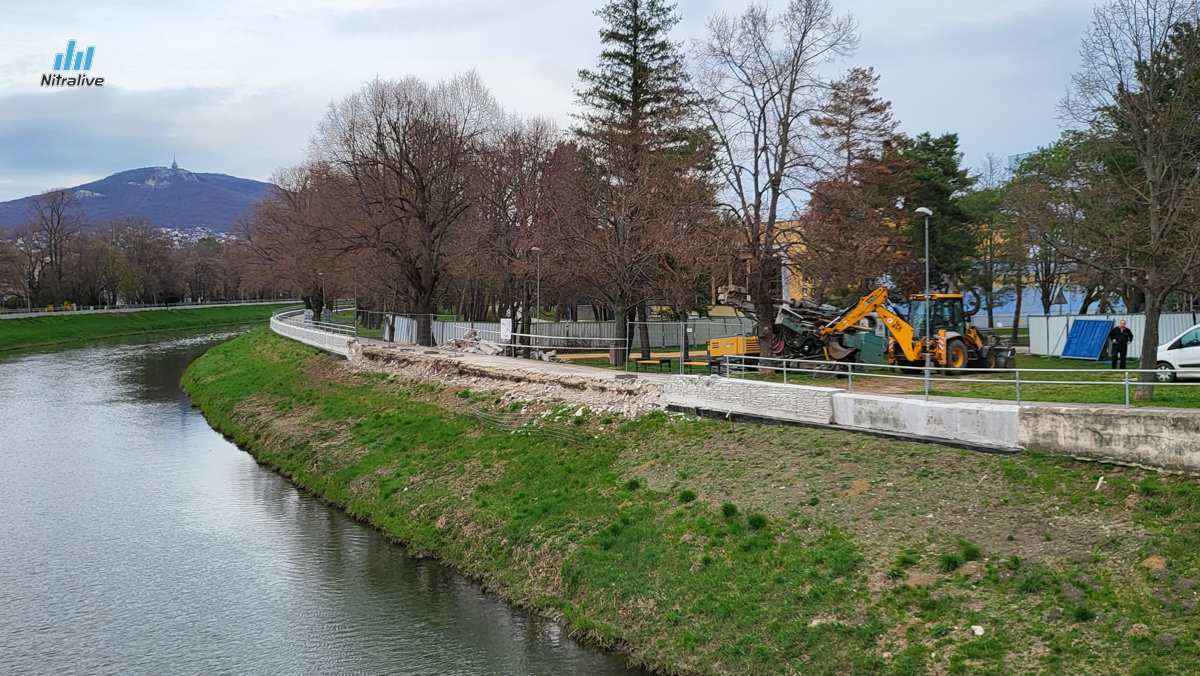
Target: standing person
(1121,337)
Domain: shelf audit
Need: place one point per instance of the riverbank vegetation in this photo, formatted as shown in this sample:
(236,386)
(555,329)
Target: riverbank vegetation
(54,329)
(707,547)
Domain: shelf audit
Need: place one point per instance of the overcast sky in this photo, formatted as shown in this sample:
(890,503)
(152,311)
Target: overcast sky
(237,86)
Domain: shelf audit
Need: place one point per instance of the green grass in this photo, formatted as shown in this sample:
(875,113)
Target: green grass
(518,510)
(745,577)
(26,332)
(1178,396)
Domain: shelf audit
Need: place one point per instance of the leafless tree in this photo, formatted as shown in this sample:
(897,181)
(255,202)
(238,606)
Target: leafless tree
(760,77)
(58,221)
(1138,166)
(406,147)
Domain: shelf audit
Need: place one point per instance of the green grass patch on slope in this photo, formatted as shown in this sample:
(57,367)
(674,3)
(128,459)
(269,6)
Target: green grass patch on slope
(54,329)
(795,551)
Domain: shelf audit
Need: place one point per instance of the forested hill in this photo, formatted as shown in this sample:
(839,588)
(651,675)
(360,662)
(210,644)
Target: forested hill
(170,197)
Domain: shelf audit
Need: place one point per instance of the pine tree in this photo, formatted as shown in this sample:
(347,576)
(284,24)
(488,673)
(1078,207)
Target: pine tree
(941,182)
(644,189)
(635,102)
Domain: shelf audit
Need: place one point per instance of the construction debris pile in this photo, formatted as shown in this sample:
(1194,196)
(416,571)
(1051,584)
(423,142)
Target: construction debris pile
(471,343)
(604,391)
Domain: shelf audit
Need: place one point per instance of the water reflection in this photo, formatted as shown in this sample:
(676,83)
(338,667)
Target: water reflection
(136,540)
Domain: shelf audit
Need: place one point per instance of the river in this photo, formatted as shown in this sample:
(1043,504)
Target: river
(135,539)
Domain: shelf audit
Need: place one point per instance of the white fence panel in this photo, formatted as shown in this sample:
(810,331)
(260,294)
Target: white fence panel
(1048,335)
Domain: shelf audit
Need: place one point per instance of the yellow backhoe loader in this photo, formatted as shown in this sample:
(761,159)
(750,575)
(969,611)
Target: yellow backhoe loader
(953,345)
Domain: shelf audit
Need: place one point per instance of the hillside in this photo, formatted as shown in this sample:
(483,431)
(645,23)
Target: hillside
(170,197)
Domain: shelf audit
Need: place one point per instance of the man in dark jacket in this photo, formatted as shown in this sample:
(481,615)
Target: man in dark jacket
(1121,337)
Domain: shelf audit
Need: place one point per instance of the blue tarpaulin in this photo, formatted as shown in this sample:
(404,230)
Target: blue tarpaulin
(1087,338)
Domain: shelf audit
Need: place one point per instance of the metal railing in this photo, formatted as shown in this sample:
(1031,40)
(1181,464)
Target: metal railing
(8,313)
(1123,378)
(294,316)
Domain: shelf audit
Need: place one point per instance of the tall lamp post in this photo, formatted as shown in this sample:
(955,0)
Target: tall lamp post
(539,287)
(928,299)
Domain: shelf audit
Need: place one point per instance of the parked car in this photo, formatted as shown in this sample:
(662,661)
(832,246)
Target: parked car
(1179,358)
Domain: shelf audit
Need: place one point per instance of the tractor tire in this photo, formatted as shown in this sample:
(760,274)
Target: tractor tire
(956,354)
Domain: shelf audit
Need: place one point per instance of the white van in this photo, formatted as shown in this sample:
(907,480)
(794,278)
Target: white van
(1179,358)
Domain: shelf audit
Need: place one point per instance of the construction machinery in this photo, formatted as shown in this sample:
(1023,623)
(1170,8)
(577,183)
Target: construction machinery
(953,344)
(806,330)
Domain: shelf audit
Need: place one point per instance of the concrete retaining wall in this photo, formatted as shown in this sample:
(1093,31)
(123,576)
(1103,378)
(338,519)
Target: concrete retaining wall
(786,402)
(992,425)
(1154,438)
(330,342)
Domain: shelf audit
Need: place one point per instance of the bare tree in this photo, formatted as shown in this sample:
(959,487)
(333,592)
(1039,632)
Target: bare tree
(58,221)
(759,75)
(1138,165)
(406,147)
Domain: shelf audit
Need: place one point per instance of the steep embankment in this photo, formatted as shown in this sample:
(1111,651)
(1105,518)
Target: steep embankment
(705,547)
(53,329)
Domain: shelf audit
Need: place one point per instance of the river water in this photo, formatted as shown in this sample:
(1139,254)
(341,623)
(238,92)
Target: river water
(136,540)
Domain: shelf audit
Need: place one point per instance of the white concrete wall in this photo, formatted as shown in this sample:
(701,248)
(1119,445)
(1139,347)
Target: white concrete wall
(970,422)
(330,342)
(1146,437)
(785,402)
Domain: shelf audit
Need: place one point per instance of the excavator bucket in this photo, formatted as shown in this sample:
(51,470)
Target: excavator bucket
(836,350)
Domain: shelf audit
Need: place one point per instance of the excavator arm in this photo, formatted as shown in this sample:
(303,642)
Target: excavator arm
(876,302)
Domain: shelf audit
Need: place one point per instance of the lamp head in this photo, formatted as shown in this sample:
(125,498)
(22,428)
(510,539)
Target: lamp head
(924,210)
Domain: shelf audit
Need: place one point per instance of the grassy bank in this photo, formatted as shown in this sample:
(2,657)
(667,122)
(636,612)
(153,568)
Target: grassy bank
(54,329)
(706,547)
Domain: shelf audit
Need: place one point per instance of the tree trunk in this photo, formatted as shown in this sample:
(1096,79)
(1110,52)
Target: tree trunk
(1149,356)
(1017,312)
(621,318)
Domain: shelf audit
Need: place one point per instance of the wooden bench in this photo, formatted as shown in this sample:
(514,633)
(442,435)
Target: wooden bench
(710,365)
(648,362)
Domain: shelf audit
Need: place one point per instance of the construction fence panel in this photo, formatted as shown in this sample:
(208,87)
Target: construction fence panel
(1048,334)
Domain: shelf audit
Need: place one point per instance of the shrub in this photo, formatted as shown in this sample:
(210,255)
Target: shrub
(633,485)
(950,562)
(687,496)
(1032,583)
(729,510)
(756,521)
(970,551)
(1082,613)
(895,573)
(941,630)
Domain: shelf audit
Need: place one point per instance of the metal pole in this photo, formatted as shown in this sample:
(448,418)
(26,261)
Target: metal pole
(928,309)
(849,377)
(539,294)
(1018,382)
(1127,388)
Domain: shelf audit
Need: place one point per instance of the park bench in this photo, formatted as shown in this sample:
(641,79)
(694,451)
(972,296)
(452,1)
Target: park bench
(650,362)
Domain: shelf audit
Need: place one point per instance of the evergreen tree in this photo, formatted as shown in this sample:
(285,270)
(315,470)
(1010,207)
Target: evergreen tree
(643,182)
(635,102)
(941,183)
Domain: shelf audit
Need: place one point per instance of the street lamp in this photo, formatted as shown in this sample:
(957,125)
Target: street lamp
(321,275)
(928,299)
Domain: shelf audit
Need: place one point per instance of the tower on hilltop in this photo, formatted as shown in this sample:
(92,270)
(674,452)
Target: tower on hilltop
(174,164)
